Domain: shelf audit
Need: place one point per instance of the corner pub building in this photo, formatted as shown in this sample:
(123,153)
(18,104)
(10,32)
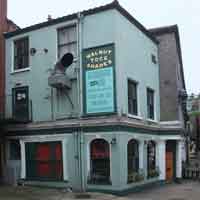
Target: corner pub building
(91,121)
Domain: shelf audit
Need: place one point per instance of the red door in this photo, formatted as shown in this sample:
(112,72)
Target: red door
(169,166)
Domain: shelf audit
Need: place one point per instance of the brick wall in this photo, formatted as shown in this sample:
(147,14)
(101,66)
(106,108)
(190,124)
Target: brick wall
(3,28)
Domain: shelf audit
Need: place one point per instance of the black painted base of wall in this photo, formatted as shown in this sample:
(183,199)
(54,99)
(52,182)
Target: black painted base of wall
(46,184)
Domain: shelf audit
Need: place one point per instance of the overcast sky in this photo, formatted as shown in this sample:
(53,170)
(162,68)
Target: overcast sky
(152,13)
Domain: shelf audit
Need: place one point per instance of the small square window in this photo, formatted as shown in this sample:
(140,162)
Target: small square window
(153,59)
(21,53)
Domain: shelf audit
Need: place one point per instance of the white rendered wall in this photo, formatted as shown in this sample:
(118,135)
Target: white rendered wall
(161,158)
(179,159)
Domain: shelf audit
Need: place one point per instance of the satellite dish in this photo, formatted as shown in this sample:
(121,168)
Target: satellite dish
(67,60)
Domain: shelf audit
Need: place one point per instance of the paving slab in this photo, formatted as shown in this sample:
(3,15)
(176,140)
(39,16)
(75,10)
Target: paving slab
(188,190)
(185,191)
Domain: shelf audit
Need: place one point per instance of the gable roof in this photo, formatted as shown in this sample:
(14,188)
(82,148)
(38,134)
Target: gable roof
(112,5)
(167,30)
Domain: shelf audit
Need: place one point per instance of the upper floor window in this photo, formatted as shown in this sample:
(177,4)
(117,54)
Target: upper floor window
(150,104)
(67,41)
(21,53)
(132,98)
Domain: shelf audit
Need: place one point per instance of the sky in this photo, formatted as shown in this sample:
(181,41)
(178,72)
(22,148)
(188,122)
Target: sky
(155,13)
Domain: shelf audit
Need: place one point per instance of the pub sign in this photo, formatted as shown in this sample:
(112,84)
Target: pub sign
(99,80)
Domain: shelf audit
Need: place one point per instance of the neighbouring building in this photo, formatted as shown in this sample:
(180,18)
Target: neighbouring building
(193,108)
(173,95)
(6,25)
(84,93)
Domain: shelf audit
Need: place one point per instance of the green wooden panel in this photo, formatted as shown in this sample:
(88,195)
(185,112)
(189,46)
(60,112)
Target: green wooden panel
(32,161)
(20,97)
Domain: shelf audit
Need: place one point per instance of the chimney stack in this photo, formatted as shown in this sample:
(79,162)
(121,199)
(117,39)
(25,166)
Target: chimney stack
(49,18)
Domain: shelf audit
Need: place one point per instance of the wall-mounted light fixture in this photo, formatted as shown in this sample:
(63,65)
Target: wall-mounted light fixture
(33,51)
(113,141)
(45,50)
(145,142)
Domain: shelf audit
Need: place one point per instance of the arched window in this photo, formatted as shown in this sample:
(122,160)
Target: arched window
(133,158)
(100,162)
(151,159)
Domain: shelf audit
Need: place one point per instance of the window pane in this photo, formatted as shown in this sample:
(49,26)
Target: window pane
(70,48)
(133,156)
(21,53)
(100,162)
(151,158)
(150,103)
(132,98)
(20,104)
(67,35)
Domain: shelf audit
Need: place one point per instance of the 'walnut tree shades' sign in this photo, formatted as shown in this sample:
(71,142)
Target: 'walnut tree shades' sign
(98,80)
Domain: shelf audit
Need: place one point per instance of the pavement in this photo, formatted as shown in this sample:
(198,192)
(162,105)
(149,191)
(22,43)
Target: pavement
(186,191)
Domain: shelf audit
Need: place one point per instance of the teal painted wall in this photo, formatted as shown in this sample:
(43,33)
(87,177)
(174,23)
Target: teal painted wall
(99,29)
(118,159)
(37,76)
(133,60)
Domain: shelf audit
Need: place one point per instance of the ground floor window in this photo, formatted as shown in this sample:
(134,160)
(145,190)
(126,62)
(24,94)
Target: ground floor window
(133,160)
(99,162)
(44,161)
(14,149)
(151,160)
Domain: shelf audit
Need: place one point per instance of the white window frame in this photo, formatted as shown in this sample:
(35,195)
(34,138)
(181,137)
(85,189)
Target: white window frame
(154,101)
(13,70)
(77,38)
(138,116)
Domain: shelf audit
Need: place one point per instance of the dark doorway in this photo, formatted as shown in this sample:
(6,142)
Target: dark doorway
(100,162)
(170,160)
(20,104)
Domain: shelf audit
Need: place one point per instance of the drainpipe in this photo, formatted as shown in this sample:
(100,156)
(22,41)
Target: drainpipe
(79,73)
(79,86)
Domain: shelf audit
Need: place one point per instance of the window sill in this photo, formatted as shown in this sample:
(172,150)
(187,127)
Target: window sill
(152,120)
(135,116)
(20,70)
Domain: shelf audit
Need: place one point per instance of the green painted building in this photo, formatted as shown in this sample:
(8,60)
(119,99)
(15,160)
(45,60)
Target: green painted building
(82,93)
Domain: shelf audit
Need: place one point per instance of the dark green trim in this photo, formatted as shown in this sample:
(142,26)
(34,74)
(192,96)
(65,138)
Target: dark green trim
(44,184)
(133,189)
(85,114)
(113,5)
(106,128)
